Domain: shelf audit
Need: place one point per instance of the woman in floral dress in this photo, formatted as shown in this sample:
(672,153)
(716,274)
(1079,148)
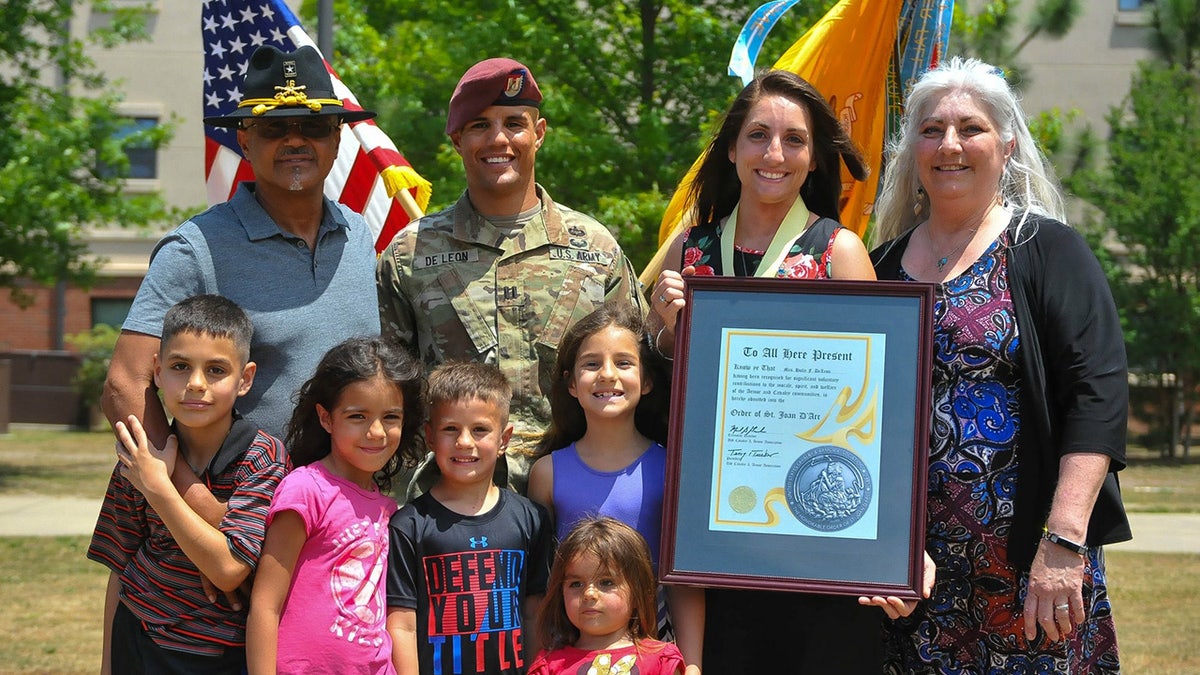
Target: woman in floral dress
(1029,391)
(765,199)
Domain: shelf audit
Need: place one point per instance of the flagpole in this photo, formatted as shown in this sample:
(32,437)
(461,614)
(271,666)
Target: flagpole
(325,29)
(410,205)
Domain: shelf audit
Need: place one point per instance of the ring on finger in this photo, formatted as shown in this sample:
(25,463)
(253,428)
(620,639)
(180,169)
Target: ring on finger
(1062,607)
(662,298)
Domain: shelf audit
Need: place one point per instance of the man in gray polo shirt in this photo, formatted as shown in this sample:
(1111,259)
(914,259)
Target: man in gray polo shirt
(300,265)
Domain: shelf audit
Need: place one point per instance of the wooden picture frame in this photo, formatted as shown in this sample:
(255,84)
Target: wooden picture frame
(799,436)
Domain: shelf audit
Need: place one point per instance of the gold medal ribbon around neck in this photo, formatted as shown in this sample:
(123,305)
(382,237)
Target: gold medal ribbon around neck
(288,96)
(789,230)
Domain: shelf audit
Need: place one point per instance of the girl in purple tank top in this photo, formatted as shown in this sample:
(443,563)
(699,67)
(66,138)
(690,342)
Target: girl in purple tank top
(603,450)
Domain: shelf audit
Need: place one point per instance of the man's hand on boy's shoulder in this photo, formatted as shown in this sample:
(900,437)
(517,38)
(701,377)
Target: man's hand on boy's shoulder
(146,467)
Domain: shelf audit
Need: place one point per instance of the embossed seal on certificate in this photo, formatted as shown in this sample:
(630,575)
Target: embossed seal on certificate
(742,499)
(828,488)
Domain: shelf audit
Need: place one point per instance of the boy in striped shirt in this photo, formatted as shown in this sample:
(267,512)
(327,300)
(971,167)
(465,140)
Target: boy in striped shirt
(157,617)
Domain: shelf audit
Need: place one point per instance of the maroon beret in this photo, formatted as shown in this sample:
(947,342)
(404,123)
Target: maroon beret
(492,82)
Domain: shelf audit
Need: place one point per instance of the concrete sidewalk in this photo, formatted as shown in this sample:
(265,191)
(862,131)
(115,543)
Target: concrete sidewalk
(36,515)
(1162,533)
(39,515)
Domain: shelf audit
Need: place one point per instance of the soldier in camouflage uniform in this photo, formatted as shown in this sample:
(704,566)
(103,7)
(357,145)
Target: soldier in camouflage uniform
(502,274)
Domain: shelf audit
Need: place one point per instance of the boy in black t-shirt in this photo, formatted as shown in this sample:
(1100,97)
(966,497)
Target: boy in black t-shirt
(468,561)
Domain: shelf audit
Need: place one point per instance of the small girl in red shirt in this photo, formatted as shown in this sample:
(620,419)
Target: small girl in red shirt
(600,611)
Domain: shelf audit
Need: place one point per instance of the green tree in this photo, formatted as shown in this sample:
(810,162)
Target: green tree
(632,88)
(1175,34)
(1151,205)
(61,158)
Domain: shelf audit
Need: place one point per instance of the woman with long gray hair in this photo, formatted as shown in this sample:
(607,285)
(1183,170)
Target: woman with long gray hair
(1029,390)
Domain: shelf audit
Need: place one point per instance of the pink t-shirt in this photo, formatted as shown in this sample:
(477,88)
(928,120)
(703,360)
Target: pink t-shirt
(333,619)
(648,657)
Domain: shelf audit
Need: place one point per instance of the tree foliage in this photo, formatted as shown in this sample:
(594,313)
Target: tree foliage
(1151,205)
(1175,34)
(631,88)
(61,155)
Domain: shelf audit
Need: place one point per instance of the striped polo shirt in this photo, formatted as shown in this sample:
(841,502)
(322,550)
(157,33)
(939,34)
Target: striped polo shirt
(159,584)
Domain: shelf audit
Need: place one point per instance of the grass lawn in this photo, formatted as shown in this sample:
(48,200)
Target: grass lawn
(78,464)
(53,603)
(1153,604)
(1153,485)
(59,463)
(54,598)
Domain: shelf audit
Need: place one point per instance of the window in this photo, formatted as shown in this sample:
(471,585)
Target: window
(111,311)
(1133,13)
(139,118)
(143,157)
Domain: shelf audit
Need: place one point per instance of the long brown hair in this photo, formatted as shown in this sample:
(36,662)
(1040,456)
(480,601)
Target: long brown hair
(716,188)
(356,360)
(567,423)
(623,554)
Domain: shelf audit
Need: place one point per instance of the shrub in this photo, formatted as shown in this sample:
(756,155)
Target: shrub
(95,348)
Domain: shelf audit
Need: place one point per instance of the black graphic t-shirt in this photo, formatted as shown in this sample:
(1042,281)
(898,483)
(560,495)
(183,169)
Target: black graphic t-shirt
(467,577)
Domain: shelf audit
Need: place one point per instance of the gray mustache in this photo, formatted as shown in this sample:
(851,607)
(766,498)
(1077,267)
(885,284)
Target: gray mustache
(288,152)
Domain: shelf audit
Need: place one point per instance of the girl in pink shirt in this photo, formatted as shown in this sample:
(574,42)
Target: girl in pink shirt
(318,602)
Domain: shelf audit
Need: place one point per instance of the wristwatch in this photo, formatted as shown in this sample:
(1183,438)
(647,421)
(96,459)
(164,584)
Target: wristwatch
(1071,546)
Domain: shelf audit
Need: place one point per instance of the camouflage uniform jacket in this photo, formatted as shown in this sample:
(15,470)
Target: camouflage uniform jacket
(454,287)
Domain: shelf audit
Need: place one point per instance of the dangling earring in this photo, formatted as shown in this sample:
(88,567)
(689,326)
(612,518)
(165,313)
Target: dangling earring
(920,205)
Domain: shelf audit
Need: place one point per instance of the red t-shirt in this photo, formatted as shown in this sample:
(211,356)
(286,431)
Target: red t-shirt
(648,657)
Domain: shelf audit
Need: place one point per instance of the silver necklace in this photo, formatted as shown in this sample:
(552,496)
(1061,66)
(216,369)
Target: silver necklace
(942,260)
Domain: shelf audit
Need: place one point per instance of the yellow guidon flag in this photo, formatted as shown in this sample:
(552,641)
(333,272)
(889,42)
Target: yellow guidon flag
(846,56)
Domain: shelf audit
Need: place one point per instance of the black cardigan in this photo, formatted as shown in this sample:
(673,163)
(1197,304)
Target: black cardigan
(1075,390)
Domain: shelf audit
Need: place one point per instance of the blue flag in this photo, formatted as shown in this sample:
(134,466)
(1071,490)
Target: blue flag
(750,40)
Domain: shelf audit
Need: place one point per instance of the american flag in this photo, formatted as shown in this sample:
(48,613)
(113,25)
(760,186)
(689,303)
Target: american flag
(370,175)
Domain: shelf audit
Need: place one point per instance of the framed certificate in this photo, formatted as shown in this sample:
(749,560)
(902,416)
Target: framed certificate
(799,436)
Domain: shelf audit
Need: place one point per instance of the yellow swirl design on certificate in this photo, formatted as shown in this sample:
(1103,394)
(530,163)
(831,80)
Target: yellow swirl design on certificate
(862,409)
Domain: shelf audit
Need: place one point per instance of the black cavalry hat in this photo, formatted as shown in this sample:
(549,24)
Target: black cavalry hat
(287,84)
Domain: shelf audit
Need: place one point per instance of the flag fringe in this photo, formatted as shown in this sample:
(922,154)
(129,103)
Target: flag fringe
(397,178)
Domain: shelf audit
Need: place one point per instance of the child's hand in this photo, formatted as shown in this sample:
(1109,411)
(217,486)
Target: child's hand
(146,467)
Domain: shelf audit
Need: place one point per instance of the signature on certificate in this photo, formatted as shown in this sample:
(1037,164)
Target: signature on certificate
(739,431)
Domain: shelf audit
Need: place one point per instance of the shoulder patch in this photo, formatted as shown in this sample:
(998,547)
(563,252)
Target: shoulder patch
(581,256)
(423,261)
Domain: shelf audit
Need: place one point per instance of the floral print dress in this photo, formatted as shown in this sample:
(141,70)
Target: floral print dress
(974,622)
(809,258)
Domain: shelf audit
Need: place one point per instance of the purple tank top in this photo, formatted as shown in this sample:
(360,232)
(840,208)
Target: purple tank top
(633,495)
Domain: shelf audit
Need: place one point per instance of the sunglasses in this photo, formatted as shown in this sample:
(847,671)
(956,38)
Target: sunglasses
(308,128)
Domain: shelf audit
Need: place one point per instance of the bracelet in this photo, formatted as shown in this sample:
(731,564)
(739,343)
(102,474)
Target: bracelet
(1078,549)
(658,350)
